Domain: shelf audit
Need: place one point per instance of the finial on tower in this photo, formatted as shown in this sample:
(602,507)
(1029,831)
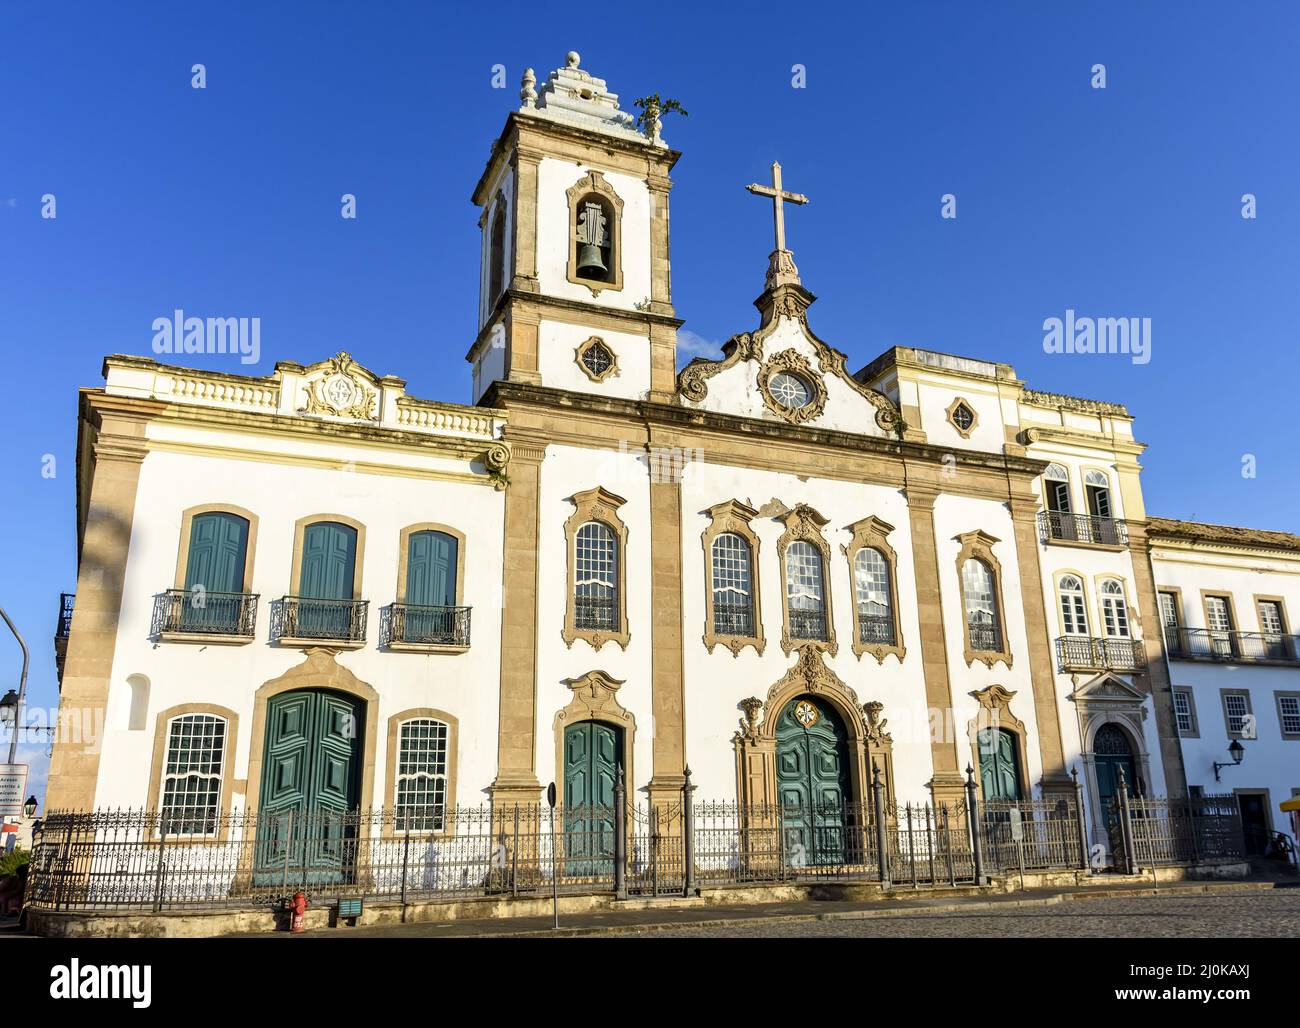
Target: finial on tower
(526,92)
(572,58)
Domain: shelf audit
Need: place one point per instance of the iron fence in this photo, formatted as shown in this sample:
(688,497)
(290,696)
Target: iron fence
(157,860)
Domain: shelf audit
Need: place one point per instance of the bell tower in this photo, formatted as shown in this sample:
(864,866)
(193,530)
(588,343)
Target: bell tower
(574,288)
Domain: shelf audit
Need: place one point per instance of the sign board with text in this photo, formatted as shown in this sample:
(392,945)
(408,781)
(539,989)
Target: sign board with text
(13,784)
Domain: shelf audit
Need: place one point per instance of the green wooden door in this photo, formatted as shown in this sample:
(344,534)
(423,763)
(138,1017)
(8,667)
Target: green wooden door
(812,781)
(329,559)
(430,586)
(999,765)
(311,769)
(214,572)
(593,752)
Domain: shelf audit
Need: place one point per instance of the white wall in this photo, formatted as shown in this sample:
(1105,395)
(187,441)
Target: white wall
(465,685)
(557,342)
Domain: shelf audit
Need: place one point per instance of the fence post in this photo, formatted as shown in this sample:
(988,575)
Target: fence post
(688,833)
(162,862)
(288,849)
(976,825)
(1126,826)
(947,846)
(882,833)
(1191,827)
(620,837)
(1084,863)
(406,859)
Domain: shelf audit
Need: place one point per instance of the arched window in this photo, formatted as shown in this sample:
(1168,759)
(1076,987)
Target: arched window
(326,606)
(805,591)
(875,603)
(1074,616)
(595,234)
(595,598)
(497,254)
(421,780)
(1097,487)
(981,606)
(1114,609)
(595,240)
(191,779)
(733,597)
(1056,482)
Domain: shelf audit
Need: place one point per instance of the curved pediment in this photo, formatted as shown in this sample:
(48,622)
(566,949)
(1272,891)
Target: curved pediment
(784,372)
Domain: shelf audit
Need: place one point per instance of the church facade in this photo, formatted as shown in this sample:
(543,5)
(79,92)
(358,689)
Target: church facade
(312,589)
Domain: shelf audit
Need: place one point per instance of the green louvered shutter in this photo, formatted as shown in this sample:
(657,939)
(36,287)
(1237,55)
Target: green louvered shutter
(329,558)
(215,565)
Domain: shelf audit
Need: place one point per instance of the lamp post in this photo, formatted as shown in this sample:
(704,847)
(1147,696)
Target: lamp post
(16,709)
(1236,751)
(29,808)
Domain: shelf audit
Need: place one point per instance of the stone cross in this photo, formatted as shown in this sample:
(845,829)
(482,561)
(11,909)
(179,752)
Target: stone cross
(778,196)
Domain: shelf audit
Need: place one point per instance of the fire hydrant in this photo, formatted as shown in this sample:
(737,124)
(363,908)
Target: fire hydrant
(297,912)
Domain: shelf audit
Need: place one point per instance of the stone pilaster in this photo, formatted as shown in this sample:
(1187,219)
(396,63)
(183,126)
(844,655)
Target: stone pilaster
(118,450)
(1024,518)
(524,249)
(516,780)
(667,674)
(946,783)
(1157,671)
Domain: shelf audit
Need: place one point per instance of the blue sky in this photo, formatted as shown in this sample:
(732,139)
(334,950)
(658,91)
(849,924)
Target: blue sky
(225,202)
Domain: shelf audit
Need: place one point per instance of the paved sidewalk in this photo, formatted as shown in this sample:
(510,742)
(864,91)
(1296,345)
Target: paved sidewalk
(758,917)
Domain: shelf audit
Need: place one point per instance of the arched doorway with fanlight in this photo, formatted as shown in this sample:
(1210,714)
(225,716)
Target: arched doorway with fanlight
(1112,753)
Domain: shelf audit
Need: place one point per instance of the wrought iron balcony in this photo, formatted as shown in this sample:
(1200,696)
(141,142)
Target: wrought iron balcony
(421,624)
(1100,653)
(807,624)
(61,631)
(985,636)
(595,614)
(199,612)
(1232,647)
(303,617)
(875,630)
(1056,527)
(733,619)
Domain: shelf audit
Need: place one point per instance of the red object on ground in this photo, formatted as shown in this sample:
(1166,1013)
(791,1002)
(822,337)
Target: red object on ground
(297,910)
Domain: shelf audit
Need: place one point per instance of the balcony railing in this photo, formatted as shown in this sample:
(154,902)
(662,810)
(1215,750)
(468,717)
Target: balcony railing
(1057,527)
(425,625)
(61,631)
(807,624)
(875,630)
(1101,653)
(595,614)
(985,637)
(1232,647)
(303,617)
(199,612)
(733,619)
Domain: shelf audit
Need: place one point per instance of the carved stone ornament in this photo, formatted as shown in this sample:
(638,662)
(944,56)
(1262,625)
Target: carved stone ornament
(783,301)
(875,724)
(496,458)
(341,392)
(791,362)
(752,707)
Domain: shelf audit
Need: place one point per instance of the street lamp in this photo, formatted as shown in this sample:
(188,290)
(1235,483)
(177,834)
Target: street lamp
(9,707)
(29,808)
(11,713)
(1236,751)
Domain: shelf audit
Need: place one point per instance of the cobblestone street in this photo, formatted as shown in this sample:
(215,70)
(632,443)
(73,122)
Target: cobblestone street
(1269,914)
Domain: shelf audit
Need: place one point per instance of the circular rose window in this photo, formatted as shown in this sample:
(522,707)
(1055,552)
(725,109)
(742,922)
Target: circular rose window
(790,391)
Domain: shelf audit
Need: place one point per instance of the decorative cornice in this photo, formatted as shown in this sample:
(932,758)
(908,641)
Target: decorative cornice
(1076,404)
(1160,529)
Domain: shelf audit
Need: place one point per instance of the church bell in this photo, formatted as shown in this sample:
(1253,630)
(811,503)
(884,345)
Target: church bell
(590,264)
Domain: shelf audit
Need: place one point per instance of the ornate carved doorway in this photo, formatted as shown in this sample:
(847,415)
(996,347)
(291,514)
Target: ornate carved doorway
(812,779)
